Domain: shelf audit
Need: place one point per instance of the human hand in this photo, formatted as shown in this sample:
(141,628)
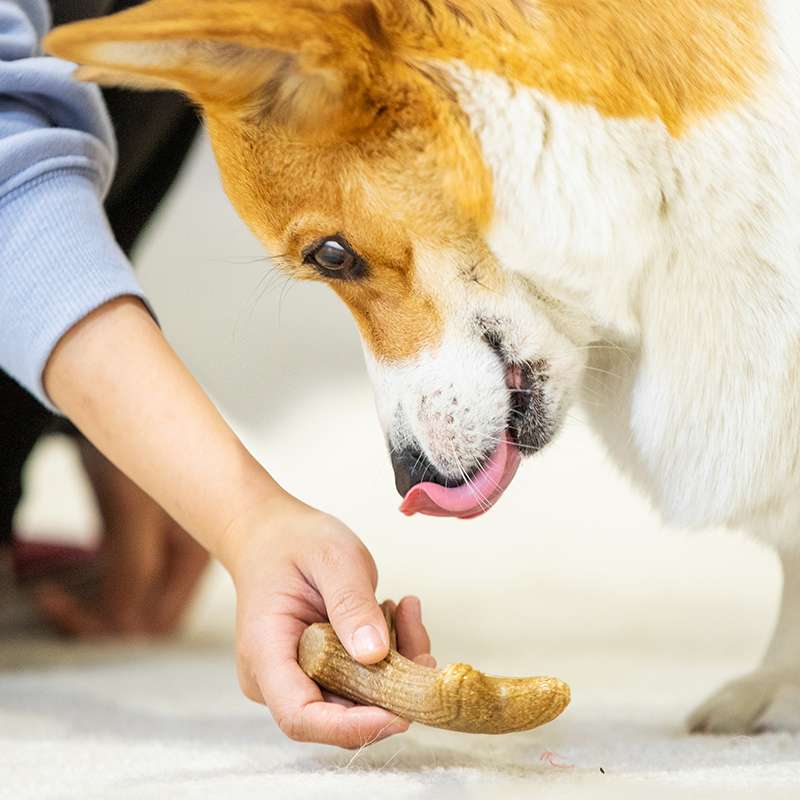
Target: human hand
(292,566)
(149,565)
(300,567)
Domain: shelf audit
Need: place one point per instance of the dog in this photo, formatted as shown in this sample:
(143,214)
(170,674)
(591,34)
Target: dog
(528,204)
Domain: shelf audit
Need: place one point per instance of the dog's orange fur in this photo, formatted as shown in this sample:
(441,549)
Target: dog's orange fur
(674,60)
(294,192)
(328,116)
(413,173)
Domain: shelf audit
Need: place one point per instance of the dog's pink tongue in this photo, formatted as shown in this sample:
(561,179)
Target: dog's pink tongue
(471,499)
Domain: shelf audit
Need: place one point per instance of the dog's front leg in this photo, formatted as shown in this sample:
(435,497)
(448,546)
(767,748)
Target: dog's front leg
(742,705)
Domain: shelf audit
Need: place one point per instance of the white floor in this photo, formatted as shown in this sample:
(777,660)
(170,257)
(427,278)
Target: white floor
(168,722)
(571,575)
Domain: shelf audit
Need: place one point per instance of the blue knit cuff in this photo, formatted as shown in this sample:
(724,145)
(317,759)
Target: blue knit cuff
(58,262)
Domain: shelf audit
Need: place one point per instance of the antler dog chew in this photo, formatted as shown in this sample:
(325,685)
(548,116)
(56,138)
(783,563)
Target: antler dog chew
(456,698)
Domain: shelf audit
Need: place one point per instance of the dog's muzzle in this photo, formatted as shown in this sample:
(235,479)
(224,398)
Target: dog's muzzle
(411,467)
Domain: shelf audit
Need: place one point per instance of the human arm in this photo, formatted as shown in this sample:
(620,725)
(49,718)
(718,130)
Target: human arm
(58,262)
(68,301)
(58,257)
(291,564)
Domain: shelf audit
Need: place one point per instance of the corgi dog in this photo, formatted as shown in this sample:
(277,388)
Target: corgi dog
(524,204)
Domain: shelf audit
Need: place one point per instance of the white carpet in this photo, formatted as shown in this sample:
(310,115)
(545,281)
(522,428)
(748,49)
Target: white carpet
(570,575)
(642,623)
(168,723)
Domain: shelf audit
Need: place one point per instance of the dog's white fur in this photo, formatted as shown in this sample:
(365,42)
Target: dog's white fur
(659,274)
(681,256)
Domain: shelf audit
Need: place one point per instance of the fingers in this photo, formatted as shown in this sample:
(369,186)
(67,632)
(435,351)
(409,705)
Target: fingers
(133,562)
(67,614)
(186,562)
(351,728)
(151,566)
(412,638)
(329,574)
(389,608)
(329,697)
(346,578)
(134,555)
(297,703)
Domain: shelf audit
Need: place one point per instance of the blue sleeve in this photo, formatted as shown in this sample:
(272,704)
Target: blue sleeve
(58,257)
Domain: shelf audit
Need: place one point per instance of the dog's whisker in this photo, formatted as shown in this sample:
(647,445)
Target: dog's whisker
(285,289)
(483,502)
(264,285)
(595,401)
(245,261)
(588,368)
(618,348)
(572,417)
(585,388)
(497,440)
(465,478)
(592,403)
(417,462)
(605,372)
(482,471)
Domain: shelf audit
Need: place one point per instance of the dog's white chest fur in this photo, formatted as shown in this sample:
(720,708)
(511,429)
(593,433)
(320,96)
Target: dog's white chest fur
(685,255)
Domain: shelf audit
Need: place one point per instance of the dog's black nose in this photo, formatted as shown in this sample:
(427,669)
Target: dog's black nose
(411,467)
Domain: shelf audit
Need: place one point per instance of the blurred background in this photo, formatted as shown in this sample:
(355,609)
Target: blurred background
(569,551)
(571,574)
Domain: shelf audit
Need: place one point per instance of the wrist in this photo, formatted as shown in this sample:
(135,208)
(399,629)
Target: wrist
(115,376)
(262,526)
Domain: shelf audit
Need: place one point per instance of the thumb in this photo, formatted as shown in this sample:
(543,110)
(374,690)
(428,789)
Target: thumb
(347,583)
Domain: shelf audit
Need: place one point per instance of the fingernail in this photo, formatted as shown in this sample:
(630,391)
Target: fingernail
(416,605)
(366,641)
(391,731)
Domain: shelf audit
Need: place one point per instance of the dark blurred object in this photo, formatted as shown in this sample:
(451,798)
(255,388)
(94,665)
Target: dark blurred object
(24,565)
(74,567)
(154,134)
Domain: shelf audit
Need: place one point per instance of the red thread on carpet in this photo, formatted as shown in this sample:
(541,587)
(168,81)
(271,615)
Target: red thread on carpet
(550,758)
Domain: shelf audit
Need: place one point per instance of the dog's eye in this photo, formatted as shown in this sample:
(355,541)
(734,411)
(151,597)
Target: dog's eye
(334,258)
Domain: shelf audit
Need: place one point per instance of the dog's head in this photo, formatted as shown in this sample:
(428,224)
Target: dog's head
(344,148)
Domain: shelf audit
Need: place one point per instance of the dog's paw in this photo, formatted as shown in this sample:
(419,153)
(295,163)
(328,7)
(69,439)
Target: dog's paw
(757,701)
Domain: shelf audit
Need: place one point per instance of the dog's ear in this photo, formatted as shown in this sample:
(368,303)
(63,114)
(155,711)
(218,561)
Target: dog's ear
(282,58)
